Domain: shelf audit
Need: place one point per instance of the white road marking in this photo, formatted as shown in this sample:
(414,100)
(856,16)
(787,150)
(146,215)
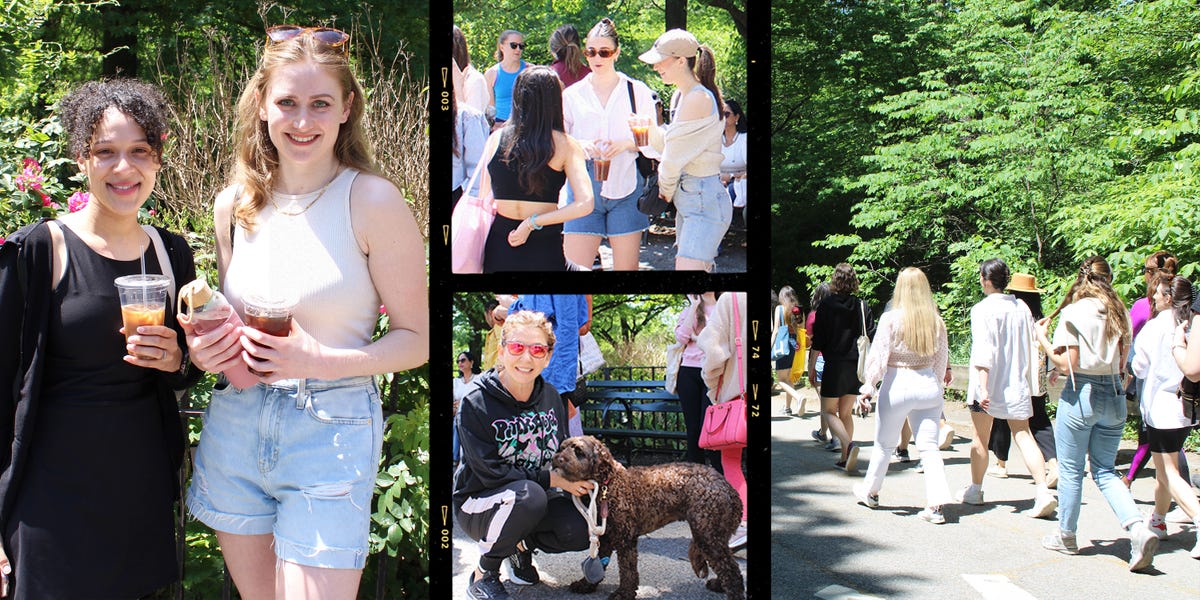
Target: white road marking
(837,592)
(997,587)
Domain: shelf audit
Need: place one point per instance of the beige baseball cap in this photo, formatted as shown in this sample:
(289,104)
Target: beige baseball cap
(675,42)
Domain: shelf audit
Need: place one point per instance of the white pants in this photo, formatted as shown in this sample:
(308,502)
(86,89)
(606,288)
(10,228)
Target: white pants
(906,393)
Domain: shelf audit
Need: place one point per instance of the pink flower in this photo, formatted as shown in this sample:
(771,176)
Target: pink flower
(382,309)
(46,200)
(77,201)
(31,176)
(1,241)
(152,212)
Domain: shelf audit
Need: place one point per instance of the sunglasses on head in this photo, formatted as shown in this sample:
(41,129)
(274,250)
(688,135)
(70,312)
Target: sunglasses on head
(518,348)
(602,52)
(516,45)
(334,38)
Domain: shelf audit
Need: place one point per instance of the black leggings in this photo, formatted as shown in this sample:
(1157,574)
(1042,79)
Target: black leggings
(1039,424)
(521,510)
(693,399)
(543,251)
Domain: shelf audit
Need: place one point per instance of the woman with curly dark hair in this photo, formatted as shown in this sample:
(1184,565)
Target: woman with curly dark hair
(528,161)
(92,438)
(839,322)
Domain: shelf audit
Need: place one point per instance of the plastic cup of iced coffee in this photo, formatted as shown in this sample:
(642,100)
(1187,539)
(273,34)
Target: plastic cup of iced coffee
(143,302)
(272,316)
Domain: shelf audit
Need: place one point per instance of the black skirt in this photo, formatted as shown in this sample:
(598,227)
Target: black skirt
(543,251)
(840,377)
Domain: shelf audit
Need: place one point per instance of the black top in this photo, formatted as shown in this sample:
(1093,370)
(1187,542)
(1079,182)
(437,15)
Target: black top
(89,444)
(505,440)
(506,186)
(837,326)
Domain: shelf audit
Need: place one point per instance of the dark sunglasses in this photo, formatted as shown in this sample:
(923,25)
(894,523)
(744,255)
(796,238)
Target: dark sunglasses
(535,350)
(516,45)
(603,52)
(334,38)
(463,360)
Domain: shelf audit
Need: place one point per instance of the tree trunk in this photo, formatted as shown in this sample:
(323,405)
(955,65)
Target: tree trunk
(676,14)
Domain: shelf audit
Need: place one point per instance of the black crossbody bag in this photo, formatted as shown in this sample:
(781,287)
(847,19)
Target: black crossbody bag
(649,202)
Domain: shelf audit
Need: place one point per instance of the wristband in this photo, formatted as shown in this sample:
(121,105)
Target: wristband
(533,223)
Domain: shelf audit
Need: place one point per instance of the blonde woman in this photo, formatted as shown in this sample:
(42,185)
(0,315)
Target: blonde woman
(787,317)
(1090,346)
(911,358)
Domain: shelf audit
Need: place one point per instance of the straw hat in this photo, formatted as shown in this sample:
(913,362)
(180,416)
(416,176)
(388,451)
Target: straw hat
(675,42)
(1024,282)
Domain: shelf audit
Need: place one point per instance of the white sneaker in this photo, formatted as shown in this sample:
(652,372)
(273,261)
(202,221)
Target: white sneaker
(947,437)
(1142,544)
(933,515)
(738,540)
(966,496)
(1043,507)
(860,492)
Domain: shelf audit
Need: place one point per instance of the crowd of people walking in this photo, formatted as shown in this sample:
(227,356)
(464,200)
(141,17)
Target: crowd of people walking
(1091,345)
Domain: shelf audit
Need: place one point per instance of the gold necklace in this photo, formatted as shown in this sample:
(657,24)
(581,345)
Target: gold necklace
(320,193)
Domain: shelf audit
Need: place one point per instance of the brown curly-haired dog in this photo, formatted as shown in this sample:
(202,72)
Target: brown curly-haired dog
(644,499)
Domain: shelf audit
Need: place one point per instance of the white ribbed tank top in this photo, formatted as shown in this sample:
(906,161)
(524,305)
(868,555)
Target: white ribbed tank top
(313,257)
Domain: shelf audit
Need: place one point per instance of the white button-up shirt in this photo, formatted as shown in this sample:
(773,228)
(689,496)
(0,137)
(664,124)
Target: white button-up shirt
(588,120)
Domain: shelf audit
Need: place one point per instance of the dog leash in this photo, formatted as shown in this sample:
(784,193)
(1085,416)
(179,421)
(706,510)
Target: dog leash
(597,505)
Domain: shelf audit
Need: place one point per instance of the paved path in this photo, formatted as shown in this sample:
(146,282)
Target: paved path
(658,251)
(825,545)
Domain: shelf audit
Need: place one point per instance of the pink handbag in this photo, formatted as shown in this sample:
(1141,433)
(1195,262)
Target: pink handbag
(725,423)
(469,226)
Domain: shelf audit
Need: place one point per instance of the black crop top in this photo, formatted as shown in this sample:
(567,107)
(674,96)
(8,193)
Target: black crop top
(505,185)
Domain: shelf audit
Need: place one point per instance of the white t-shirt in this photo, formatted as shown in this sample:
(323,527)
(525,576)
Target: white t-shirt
(1082,324)
(475,89)
(1001,342)
(1154,363)
(735,161)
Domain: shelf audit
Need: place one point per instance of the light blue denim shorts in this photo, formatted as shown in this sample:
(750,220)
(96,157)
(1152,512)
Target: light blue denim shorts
(703,212)
(609,217)
(298,459)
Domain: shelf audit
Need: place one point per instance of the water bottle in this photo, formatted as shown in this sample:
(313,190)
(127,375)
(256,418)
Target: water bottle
(209,310)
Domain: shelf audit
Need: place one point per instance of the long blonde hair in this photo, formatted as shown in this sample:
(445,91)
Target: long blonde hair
(257,159)
(920,322)
(1094,280)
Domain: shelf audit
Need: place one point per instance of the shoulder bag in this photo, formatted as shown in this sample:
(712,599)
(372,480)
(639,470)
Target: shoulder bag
(864,342)
(725,423)
(1189,395)
(648,201)
(469,227)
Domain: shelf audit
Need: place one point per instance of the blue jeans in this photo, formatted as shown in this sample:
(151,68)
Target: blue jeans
(1091,417)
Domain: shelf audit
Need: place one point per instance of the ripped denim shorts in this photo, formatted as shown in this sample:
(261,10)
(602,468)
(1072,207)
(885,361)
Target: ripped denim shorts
(296,459)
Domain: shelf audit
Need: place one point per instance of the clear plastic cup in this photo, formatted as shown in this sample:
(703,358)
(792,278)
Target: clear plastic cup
(272,316)
(143,301)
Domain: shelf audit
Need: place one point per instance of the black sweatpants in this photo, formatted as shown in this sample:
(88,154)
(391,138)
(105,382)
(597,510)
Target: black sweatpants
(693,399)
(522,510)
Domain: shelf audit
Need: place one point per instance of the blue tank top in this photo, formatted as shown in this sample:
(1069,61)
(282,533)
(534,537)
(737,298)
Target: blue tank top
(503,90)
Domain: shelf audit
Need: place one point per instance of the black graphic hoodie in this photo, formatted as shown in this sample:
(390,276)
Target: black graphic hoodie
(505,440)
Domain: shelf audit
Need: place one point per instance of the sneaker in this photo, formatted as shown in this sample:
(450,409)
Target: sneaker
(933,515)
(852,458)
(524,572)
(947,437)
(488,588)
(901,455)
(1159,529)
(787,411)
(1060,541)
(966,496)
(1195,553)
(1142,544)
(860,492)
(834,445)
(1043,507)
(820,437)
(1178,517)
(998,472)
(738,540)
(921,466)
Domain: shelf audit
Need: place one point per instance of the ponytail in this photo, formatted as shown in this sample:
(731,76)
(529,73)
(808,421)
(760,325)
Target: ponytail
(704,67)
